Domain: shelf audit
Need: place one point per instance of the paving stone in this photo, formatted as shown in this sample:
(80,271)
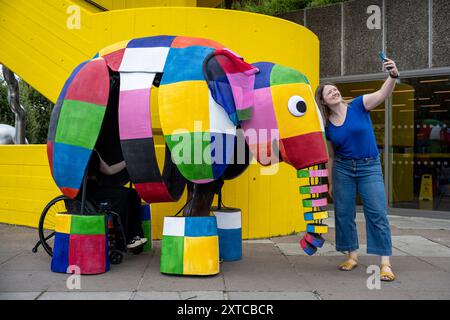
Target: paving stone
(75,295)
(419,246)
(19,295)
(271,295)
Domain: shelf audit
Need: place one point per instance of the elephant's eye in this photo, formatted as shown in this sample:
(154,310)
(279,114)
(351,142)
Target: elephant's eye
(297,106)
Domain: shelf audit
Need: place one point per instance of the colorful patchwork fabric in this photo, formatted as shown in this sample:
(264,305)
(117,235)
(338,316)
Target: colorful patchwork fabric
(286,116)
(80,241)
(190,246)
(75,124)
(229,228)
(189,115)
(147,226)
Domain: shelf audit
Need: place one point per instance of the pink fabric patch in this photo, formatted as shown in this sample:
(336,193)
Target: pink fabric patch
(319,202)
(318,173)
(134,114)
(319,189)
(263,119)
(91,84)
(88,252)
(203,181)
(242,88)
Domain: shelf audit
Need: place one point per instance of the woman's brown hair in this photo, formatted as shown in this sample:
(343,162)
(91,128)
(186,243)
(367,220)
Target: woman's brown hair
(324,109)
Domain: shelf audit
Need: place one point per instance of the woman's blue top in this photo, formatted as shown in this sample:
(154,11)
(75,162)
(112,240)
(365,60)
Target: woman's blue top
(355,138)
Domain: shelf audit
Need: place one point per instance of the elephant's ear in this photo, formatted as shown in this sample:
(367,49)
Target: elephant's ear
(231,82)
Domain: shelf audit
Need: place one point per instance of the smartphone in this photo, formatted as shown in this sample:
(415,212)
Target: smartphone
(382,56)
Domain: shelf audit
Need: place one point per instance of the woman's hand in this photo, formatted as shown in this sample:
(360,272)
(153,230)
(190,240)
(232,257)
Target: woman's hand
(391,67)
(330,190)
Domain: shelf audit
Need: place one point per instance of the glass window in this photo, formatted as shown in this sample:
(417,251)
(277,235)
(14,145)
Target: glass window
(420,144)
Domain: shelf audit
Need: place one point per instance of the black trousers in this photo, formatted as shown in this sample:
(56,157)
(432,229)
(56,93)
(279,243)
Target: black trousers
(125,201)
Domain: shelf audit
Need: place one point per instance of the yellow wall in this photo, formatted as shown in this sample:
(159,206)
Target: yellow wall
(271,205)
(39,47)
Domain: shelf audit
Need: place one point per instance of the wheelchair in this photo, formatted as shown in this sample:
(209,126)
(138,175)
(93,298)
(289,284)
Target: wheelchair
(63,204)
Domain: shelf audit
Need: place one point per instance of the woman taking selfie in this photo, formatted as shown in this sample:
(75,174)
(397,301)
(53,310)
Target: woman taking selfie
(354,166)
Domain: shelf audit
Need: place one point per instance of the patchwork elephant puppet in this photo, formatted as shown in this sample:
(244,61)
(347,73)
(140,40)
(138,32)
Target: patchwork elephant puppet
(206,95)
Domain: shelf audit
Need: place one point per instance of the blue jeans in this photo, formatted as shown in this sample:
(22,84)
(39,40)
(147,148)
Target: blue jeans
(365,177)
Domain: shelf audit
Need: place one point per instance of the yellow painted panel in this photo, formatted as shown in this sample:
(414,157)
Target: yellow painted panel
(292,125)
(129,4)
(63,223)
(173,100)
(201,255)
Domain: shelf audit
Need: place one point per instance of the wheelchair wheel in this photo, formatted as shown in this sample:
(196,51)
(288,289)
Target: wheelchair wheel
(47,220)
(137,250)
(115,257)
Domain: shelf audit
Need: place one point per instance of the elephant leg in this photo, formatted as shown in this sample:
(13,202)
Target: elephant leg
(202,196)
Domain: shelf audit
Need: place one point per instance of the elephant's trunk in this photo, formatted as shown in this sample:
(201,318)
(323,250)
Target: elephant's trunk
(316,199)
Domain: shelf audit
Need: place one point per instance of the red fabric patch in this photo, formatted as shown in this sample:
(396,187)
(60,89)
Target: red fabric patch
(50,155)
(183,42)
(114,59)
(88,252)
(153,192)
(304,151)
(70,192)
(91,84)
(233,64)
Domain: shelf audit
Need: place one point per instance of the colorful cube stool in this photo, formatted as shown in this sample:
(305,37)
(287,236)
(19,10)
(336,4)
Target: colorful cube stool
(190,246)
(81,241)
(146,219)
(229,228)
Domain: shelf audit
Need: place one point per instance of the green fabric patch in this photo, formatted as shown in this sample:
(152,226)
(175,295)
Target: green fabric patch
(303,174)
(305,190)
(245,114)
(191,152)
(307,203)
(172,254)
(79,123)
(147,228)
(88,225)
(285,75)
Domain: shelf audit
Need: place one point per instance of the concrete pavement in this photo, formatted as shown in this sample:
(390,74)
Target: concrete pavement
(271,269)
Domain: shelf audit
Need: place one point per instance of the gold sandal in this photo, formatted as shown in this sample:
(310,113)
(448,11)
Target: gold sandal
(386,275)
(348,265)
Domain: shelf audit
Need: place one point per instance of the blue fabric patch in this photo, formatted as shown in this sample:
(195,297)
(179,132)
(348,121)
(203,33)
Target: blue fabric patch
(200,226)
(223,95)
(149,42)
(60,258)
(145,212)
(262,78)
(69,165)
(221,158)
(185,64)
(107,265)
(230,244)
(309,216)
